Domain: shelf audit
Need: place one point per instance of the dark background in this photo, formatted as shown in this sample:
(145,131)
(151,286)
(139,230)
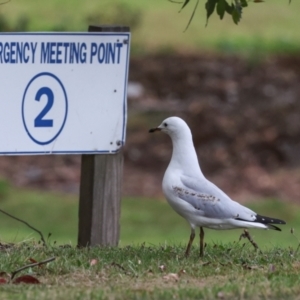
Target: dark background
(244,115)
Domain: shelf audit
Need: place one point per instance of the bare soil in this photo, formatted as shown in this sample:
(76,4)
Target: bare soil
(244,115)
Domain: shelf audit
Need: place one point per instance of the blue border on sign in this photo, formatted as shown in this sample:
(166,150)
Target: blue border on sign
(127,35)
(125,94)
(66,112)
(61,152)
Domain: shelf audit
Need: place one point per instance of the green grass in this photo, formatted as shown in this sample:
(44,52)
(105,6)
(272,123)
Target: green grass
(150,262)
(268,27)
(230,271)
(148,221)
(154,222)
(50,213)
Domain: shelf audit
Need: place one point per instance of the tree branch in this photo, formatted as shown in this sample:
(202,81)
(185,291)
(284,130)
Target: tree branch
(5,2)
(27,224)
(13,274)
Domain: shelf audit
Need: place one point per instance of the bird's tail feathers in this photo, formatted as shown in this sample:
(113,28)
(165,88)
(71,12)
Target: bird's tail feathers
(267,221)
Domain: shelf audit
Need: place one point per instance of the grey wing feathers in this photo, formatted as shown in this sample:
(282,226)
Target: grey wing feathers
(210,200)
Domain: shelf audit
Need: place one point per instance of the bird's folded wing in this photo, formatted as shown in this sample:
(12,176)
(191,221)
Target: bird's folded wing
(210,201)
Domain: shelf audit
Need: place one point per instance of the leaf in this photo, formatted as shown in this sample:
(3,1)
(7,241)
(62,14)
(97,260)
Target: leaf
(237,14)
(93,262)
(221,6)
(28,279)
(184,4)
(3,280)
(229,8)
(162,268)
(181,272)
(171,277)
(272,268)
(192,16)
(210,8)
(244,3)
(249,267)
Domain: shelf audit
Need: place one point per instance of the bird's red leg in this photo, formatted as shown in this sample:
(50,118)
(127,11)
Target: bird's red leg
(188,248)
(201,242)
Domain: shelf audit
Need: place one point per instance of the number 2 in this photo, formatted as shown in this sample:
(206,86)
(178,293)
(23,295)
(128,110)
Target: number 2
(39,121)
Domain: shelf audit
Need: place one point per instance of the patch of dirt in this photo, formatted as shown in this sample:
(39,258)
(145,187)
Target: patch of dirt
(244,115)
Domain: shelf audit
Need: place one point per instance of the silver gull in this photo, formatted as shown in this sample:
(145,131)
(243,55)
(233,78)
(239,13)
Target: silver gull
(197,199)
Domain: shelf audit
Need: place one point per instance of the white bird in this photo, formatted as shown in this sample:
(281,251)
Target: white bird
(197,199)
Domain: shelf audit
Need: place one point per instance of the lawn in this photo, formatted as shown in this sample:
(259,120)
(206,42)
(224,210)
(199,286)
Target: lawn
(149,264)
(231,271)
(149,221)
(267,27)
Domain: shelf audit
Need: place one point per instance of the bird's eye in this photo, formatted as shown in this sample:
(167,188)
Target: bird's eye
(165,124)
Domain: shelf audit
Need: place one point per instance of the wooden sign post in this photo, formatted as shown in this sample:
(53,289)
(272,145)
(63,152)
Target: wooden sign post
(100,189)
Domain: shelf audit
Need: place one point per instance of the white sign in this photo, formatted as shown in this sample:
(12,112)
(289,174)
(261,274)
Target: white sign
(63,93)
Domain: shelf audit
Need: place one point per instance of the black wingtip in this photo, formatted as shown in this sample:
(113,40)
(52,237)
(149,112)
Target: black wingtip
(268,220)
(271,226)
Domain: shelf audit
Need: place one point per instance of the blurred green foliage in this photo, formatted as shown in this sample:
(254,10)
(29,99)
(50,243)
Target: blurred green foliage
(232,7)
(20,25)
(158,28)
(4,189)
(117,13)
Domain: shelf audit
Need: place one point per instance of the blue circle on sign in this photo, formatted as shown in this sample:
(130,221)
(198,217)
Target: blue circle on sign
(38,124)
